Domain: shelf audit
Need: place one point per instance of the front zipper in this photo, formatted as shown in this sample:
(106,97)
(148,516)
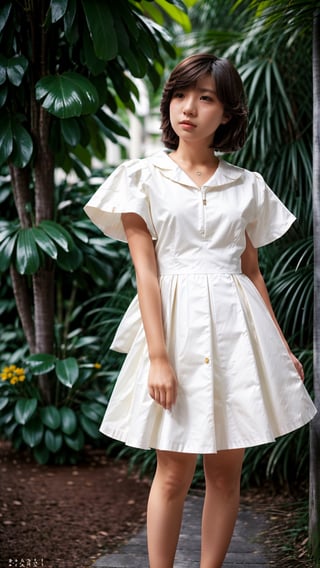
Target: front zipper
(203,195)
(204,203)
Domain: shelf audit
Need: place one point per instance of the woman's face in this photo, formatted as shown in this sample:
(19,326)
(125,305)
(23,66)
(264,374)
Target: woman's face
(196,112)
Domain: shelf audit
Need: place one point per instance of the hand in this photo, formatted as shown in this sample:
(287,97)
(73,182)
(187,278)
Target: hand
(162,383)
(298,366)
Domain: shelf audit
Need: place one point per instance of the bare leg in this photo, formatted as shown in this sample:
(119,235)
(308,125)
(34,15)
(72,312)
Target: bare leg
(165,507)
(222,472)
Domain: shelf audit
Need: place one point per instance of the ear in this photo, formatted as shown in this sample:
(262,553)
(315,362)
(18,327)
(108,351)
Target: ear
(225,118)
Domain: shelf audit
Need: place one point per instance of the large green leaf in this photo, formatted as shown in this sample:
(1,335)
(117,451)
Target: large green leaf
(95,65)
(67,371)
(22,145)
(27,255)
(57,233)
(68,420)
(5,10)
(3,69)
(70,22)
(50,416)
(111,123)
(6,137)
(53,440)
(6,249)
(41,363)
(16,68)
(90,427)
(92,410)
(3,402)
(75,441)
(101,27)
(67,95)
(3,95)
(32,433)
(71,131)
(7,228)
(44,242)
(41,454)
(25,409)
(58,9)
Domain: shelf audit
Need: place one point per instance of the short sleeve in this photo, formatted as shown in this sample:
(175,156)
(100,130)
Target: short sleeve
(271,218)
(124,191)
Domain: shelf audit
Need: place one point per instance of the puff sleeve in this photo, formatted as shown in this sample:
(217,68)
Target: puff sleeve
(124,191)
(271,219)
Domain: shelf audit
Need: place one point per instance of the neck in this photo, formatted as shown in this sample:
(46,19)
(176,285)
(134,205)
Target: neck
(194,161)
(195,157)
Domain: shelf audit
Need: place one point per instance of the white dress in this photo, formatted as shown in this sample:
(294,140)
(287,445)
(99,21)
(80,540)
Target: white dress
(237,384)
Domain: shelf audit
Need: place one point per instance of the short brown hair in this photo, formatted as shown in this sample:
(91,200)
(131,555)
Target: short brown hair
(230,92)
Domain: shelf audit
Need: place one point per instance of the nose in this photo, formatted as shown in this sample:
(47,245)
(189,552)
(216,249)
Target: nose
(189,108)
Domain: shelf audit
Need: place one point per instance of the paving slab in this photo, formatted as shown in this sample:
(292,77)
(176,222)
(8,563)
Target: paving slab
(246,548)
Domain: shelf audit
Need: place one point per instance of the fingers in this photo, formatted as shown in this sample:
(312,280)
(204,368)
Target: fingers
(164,396)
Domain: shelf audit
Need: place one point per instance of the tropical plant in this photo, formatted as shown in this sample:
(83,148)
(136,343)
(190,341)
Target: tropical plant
(66,67)
(55,433)
(84,326)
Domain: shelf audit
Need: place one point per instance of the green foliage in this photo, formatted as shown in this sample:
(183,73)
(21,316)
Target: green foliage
(66,68)
(82,369)
(56,433)
(97,43)
(67,95)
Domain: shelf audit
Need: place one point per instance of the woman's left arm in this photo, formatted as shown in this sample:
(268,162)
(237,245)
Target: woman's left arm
(250,267)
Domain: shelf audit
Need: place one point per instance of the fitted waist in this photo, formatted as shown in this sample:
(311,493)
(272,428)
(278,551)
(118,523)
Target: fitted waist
(198,265)
(199,274)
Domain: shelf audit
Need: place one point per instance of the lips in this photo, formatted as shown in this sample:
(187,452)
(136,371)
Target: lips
(187,124)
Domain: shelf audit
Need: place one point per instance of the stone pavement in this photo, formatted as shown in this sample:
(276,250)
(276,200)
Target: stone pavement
(247,547)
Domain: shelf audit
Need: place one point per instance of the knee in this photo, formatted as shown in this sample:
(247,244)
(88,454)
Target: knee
(223,473)
(174,477)
(224,485)
(174,486)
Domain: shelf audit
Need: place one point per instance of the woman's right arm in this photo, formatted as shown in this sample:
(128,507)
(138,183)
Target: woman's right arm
(162,382)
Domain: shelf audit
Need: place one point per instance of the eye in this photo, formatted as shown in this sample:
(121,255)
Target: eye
(206,98)
(178,95)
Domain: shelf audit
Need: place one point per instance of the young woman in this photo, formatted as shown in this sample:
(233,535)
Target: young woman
(208,369)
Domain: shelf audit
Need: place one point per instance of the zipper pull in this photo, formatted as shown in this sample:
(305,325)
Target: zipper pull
(204,197)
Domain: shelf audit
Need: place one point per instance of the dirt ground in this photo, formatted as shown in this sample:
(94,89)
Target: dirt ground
(63,516)
(67,516)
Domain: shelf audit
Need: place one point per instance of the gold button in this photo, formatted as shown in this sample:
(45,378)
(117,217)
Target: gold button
(206,360)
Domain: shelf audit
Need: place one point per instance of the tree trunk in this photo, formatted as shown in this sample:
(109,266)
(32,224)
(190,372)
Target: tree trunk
(43,289)
(20,179)
(23,304)
(314,504)
(43,280)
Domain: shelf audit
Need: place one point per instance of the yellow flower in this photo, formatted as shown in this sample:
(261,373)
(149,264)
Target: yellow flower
(97,365)
(13,373)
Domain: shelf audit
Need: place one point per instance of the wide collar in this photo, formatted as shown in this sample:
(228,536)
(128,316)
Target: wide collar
(224,175)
